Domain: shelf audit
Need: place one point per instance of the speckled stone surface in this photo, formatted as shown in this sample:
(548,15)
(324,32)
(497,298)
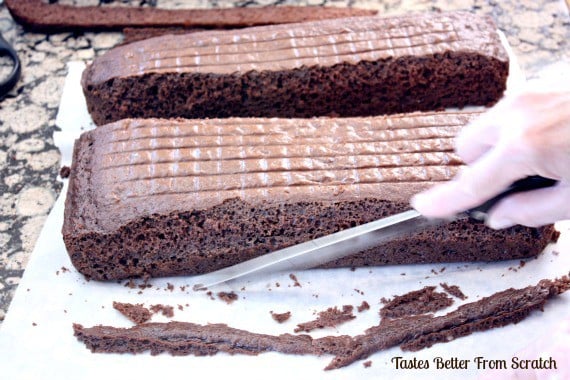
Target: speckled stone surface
(538,31)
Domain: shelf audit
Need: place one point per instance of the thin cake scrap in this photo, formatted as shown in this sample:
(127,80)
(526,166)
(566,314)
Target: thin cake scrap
(410,332)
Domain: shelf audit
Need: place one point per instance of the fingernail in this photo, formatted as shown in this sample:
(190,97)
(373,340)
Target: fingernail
(500,223)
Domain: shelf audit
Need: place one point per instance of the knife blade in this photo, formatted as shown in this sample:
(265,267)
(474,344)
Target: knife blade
(352,240)
(321,250)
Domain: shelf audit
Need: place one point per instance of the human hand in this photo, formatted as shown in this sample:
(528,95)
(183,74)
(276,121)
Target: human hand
(524,134)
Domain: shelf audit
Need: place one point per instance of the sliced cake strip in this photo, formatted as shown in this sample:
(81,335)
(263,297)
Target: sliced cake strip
(356,66)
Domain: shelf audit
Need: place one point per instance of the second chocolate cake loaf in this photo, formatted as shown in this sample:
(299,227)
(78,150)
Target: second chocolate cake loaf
(171,197)
(343,67)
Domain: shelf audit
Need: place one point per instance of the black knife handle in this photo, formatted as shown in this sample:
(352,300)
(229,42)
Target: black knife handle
(526,184)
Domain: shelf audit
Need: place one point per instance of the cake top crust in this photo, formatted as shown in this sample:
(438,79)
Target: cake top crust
(139,167)
(293,46)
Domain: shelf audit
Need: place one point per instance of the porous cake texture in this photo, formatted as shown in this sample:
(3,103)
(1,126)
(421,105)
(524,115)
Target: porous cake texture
(358,66)
(158,197)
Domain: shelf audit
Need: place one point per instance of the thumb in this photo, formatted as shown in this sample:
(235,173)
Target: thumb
(532,208)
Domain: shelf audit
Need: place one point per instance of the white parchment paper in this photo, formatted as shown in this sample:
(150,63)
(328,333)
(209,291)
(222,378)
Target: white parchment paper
(37,342)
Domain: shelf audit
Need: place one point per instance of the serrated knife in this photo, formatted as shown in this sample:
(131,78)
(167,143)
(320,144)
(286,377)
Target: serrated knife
(352,240)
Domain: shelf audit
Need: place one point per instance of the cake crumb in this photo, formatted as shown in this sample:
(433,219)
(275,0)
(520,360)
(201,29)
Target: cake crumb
(280,317)
(425,300)
(166,310)
(295,280)
(169,286)
(359,291)
(228,297)
(367,363)
(210,294)
(180,307)
(363,306)
(65,171)
(34,324)
(328,318)
(454,290)
(136,313)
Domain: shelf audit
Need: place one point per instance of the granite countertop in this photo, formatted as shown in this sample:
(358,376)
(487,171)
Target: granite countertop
(538,31)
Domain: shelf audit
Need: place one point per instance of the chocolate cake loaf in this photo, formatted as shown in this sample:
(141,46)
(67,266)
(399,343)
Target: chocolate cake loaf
(357,66)
(165,197)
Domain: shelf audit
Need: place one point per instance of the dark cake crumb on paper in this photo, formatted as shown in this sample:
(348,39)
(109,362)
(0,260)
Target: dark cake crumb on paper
(65,171)
(137,313)
(281,317)
(363,306)
(295,280)
(328,318)
(169,286)
(411,333)
(367,364)
(228,297)
(454,290)
(166,310)
(422,301)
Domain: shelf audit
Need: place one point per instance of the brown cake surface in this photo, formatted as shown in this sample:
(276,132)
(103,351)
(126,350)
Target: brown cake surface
(341,67)
(179,197)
